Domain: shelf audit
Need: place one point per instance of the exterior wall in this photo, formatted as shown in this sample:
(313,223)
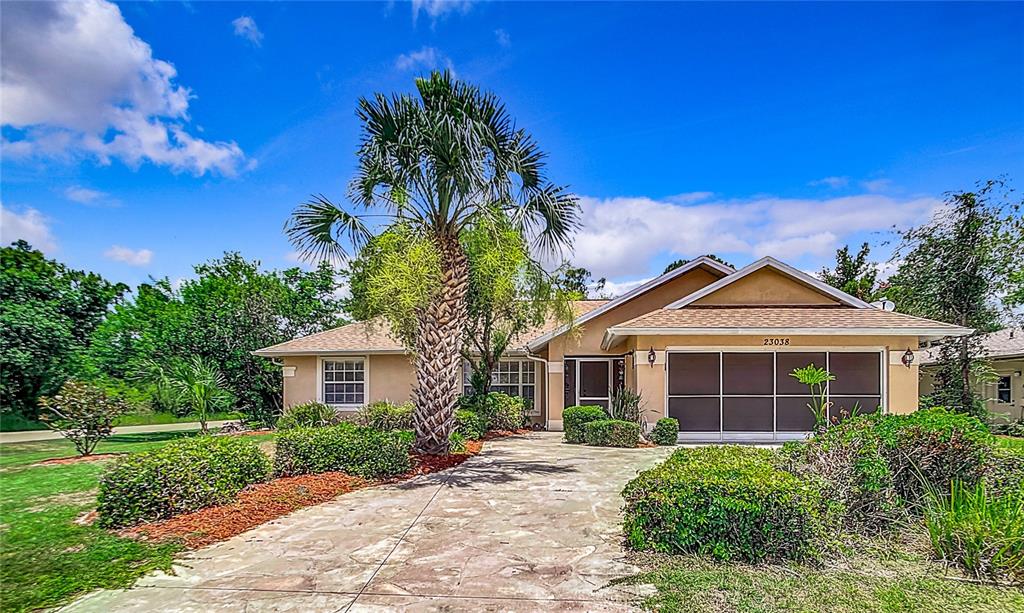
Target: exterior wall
(901,382)
(765,287)
(1013,410)
(390,378)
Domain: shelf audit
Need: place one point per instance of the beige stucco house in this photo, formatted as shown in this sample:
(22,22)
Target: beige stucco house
(704,343)
(1004,392)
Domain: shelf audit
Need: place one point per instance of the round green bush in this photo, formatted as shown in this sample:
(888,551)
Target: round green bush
(470,424)
(730,502)
(180,477)
(356,450)
(574,420)
(307,415)
(499,411)
(612,433)
(665,432)
(385,415)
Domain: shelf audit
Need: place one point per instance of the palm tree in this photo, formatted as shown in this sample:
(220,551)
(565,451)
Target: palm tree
(440,163)
(200,386)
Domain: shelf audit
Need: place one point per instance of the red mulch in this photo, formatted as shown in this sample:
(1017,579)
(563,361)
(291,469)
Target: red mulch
(78,458)
(263,502)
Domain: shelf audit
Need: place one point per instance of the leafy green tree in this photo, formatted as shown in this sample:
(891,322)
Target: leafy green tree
(81,413)
(580,282)
(677,263)
(439,163)
(854,274)
(47,313)
(199,386)
(958,268)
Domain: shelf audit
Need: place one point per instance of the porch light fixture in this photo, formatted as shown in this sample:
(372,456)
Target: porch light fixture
(908,358)
(652,357)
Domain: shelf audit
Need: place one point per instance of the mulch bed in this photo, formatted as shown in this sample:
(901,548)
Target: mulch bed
(264,502)
(96,457)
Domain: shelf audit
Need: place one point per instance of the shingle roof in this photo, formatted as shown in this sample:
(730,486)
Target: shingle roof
(783,318)
(1001,344)
(374,336)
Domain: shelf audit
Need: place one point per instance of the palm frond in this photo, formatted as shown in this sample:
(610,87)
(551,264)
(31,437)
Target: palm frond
(317,228)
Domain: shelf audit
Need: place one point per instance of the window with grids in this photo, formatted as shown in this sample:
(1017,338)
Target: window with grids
(512,377)
(344,382)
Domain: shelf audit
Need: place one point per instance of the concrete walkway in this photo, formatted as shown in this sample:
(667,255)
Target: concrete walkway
(530,524)
(50,435)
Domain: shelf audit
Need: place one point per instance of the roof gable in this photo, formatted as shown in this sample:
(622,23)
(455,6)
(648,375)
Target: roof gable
(769,282)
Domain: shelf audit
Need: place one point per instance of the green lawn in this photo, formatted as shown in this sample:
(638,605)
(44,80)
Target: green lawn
(45,558)
(1010,442)
(893,582)
(10,422)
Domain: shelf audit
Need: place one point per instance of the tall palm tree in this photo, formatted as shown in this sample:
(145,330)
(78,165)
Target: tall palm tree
(440,163)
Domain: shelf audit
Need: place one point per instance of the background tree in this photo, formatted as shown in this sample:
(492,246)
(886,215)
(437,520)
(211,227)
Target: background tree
(958,268)
(82,413)
(438,164)
(47,313)
(201,387)
(854,274)
(580,282)
(677,263)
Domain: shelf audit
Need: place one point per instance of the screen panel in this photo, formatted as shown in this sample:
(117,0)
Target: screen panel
(569,375)
(695,414)
(693,374)
(844,406)
(786,361)
(594,379)
(792,414)
(747,374)
(856,374)
(748,414)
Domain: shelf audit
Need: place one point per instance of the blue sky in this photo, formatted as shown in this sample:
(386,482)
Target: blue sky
(143,138)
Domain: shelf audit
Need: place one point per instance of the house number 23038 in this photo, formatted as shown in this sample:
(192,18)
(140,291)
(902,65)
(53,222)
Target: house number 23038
(776,342)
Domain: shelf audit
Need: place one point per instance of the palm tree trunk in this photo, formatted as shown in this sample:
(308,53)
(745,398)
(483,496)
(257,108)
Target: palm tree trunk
(438,342)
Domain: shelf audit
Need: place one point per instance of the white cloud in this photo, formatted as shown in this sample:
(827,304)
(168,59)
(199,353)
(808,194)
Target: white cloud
(83,195)
(621,237)
(427,58)
(246,28)
(436,9)
(611,288)
(29,225)
(876,185)
(132,257)
(833,182)
(76,80)
(504,40)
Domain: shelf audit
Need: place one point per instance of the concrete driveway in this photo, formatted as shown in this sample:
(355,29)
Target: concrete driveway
(530,524)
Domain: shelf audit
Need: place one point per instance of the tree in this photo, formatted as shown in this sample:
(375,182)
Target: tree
(956,268)
(199,386)
(47,313)
(676,264)
(580,282)
(439,164)
(81,413)
(855,275)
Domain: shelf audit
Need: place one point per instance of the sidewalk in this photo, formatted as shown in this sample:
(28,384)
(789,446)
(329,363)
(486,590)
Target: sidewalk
(49,435)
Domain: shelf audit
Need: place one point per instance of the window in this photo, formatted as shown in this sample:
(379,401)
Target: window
(512,377)
(344,382)
(1003,390)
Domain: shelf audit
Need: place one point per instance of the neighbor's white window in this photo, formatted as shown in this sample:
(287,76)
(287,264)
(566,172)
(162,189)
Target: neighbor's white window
(512,377)
(344,382)
(1003,390)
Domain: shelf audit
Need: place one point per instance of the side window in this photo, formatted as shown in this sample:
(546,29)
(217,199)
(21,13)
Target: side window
(1003,393)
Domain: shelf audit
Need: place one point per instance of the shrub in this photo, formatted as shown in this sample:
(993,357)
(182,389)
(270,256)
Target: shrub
(731,502)
(574,420)
(1004,470)
(665,432)
(356,450)
(509,412)
(612,433)
(180,477)
(1013,428)
(384,415)
(625,406)
(456,443)
(82,413)
(470,424)
(308,415)
(981,533)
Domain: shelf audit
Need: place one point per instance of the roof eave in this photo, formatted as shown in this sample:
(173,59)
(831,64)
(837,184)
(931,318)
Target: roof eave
(923,333)
(279,353)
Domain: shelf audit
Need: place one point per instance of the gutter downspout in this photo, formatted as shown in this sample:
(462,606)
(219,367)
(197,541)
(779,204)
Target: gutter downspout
(535,358)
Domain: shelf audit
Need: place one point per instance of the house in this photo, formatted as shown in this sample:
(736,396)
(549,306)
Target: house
(704,343)
(1004,393)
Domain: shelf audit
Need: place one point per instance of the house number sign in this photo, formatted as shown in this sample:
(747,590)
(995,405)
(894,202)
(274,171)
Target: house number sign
(776,342)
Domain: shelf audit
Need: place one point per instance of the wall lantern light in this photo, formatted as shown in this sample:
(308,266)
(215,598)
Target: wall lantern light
(908,358)
(652,357)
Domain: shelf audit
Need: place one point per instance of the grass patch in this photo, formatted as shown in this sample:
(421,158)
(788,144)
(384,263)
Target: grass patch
(886,580)
(156,419)
(1010,442)
(45,558)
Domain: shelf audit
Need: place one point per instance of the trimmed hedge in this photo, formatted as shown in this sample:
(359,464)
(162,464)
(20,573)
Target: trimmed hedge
(180,477)
(384,415)
(499,411)
(612,433)
(356,450)
(307,415)
(665,432)
(731,502)
(575,419)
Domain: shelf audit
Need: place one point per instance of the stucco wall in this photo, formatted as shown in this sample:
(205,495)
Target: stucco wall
(1004,368)
(390,378)
(766,287)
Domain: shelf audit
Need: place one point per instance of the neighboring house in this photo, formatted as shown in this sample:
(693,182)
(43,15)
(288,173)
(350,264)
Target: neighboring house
(1004,395)
(704,343)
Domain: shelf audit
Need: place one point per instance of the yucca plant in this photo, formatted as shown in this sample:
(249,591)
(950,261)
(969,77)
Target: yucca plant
(980,533)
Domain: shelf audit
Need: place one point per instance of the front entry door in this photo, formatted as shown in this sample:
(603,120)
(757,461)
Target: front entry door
(594,382)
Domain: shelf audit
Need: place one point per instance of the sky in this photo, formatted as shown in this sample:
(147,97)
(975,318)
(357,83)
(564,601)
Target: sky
(140,139)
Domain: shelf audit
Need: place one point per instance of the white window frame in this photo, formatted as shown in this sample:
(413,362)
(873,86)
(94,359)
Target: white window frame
(1009,389)
(320,396)
(524,366)
(611,381)
(775,435)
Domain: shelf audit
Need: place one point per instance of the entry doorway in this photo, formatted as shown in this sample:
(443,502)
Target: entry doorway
(593,381)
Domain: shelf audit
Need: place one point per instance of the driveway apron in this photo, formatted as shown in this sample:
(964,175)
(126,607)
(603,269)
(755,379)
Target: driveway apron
(530,524)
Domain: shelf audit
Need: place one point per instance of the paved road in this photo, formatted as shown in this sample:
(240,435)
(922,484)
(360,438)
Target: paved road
(530,524)
(49,435)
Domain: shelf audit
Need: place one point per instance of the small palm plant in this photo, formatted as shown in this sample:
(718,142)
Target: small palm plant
(816,379)
(201,387)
